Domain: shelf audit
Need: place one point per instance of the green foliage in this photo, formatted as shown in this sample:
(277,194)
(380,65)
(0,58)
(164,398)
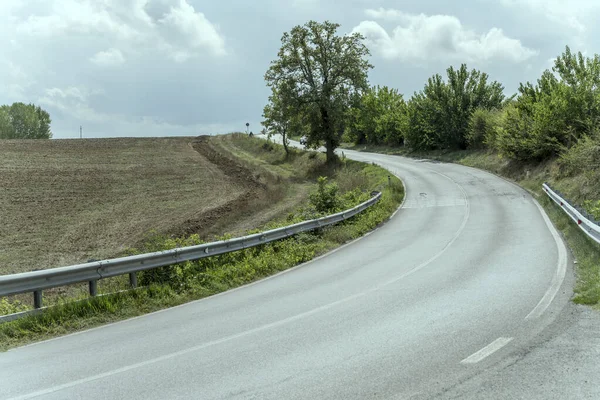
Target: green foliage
(584,155)
(515,137)
(562,108)
(24,121)
(11,307)
(320,73)
(593,207)
(281,116)
(439,116)
(483,128)
(325,198)
(379,118)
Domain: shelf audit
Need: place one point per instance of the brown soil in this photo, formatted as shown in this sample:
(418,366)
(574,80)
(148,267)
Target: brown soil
(67,201)
(209,223)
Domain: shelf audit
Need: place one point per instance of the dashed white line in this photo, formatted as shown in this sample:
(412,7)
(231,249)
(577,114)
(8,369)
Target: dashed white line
(487,350)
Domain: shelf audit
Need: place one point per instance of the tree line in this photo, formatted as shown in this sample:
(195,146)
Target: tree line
(320,88)
(24,121)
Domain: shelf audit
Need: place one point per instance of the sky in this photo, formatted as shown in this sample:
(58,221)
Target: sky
(123,68)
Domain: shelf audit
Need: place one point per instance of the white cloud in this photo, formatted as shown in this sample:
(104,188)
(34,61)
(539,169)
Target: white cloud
(14,80)
(573,14)
(422,37)
(72,101)
(170,26)
(108,58)
(189,30)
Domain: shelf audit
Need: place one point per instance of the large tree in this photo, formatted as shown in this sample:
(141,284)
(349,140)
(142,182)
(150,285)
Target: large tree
(380,117)
(563,107)
(440,114)
(282,116)
(24,121)
(321,72)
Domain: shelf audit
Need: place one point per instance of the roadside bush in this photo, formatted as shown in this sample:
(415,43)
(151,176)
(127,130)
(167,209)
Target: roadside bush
(514,137)
(585,155)
(11,307)
(483,126)
(593,207)
(325,199)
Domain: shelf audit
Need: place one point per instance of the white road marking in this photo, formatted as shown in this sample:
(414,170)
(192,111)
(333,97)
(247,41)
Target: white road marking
(561,269)
(487,350)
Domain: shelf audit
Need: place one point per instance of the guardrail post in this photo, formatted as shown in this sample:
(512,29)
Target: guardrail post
(93,288)
(133,280)
(37,299)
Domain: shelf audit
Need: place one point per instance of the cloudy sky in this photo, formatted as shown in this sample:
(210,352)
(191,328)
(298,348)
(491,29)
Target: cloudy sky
(187,67)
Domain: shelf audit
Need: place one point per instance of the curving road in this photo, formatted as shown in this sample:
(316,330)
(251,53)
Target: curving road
(465,275)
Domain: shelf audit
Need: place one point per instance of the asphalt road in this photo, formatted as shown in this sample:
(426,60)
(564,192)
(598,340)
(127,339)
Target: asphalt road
(468,274)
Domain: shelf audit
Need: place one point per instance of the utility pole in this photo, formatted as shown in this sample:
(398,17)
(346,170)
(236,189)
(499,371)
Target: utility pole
(80,132)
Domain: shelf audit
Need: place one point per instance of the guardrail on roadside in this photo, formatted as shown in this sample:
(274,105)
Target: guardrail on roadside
(585,222)
(36,281)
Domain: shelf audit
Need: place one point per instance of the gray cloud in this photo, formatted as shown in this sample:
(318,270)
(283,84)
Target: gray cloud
(421,38)
(185,67)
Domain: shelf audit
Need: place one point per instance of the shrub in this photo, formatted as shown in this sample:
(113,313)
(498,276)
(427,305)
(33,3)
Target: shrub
(483,126)
(325,199)
(585,155)
(593,207)
(514,137)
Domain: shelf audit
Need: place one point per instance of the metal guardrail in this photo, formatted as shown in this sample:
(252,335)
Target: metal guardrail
(91,272)
(584,221)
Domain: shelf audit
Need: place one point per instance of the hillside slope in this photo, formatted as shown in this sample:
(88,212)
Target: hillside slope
(68,201)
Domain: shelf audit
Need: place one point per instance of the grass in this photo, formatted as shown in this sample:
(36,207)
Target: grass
(579,187)
(170,286)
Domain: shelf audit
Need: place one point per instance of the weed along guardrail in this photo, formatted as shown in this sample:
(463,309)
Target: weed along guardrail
(36,281)
(584,221)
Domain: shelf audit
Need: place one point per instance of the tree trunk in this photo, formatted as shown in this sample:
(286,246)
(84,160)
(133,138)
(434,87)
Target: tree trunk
(328,134)
(285,145)
(330,151)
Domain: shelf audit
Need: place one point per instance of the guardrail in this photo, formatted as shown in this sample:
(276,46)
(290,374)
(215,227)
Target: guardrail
(585,222)
(36,281)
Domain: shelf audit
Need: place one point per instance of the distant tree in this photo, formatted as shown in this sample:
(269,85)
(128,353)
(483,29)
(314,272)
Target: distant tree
(6,128)
(321,72)
(440,114)
(379,117)
(24,121)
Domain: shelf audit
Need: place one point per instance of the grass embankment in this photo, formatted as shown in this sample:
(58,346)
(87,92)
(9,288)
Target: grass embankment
(579,183)
(170,286)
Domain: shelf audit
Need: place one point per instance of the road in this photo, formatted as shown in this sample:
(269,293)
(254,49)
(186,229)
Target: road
(468,274)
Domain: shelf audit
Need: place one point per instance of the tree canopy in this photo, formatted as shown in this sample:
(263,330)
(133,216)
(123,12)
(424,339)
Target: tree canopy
(439,115)
(320,72)
(379,117)
(24,121)
(281,116)
(554,114)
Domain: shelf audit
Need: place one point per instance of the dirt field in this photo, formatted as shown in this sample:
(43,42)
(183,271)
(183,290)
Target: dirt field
(67,201)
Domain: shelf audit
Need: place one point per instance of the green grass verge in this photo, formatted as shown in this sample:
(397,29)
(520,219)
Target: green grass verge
(174,285)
